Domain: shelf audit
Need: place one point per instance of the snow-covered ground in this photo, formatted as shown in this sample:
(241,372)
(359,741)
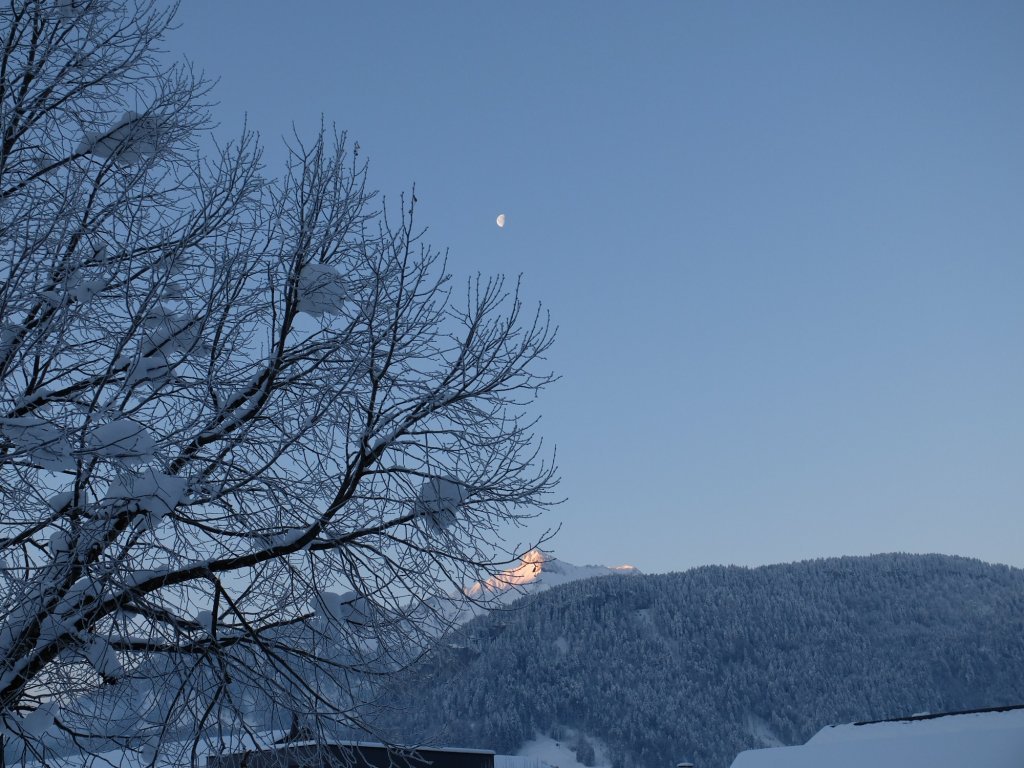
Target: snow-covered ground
(762,732)
(545,751)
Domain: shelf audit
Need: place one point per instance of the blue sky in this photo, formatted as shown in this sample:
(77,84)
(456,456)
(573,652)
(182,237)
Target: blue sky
(783,241)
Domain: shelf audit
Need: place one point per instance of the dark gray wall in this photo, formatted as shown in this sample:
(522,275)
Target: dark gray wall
(351,756)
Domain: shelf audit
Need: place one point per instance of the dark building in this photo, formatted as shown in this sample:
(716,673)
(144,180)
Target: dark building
(352,754)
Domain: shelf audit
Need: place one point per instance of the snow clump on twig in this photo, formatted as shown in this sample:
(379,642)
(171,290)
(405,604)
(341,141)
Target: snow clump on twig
(129,141)
(321,290)
(439,501)
(122,439)
(43,442)
(350,607)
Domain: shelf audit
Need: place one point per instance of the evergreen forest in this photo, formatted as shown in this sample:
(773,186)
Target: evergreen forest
(702,664)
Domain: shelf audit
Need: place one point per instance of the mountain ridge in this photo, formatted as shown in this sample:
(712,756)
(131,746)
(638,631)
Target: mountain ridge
(702,663)
(535,572)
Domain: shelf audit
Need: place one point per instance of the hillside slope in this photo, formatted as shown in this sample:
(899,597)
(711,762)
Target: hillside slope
(702,664)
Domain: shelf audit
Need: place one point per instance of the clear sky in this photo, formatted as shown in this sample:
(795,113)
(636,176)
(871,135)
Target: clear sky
(784,242)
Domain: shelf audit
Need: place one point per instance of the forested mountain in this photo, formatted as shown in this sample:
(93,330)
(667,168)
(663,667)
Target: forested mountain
(702,664)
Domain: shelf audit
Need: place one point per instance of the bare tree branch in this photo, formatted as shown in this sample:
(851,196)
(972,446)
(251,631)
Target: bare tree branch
(252,436)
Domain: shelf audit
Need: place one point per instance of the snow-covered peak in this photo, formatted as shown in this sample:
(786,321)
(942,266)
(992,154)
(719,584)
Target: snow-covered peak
(537,571)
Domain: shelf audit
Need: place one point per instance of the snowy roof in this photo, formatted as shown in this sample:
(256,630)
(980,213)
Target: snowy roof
(993,738)
(375,745)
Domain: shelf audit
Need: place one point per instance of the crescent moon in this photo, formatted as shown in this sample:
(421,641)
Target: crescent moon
(500,221)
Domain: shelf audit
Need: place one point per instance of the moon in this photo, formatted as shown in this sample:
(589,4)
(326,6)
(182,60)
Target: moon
(500,221)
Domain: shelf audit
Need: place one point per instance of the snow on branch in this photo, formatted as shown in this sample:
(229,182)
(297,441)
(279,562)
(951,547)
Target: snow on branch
(152,492)
(44,443)
(321,290)
(103,659)
(439,501)
(168,338)
(131,140)
(349,607)
(122,439)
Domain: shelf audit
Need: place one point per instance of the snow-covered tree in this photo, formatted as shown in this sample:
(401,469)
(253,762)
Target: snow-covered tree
(252,436)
